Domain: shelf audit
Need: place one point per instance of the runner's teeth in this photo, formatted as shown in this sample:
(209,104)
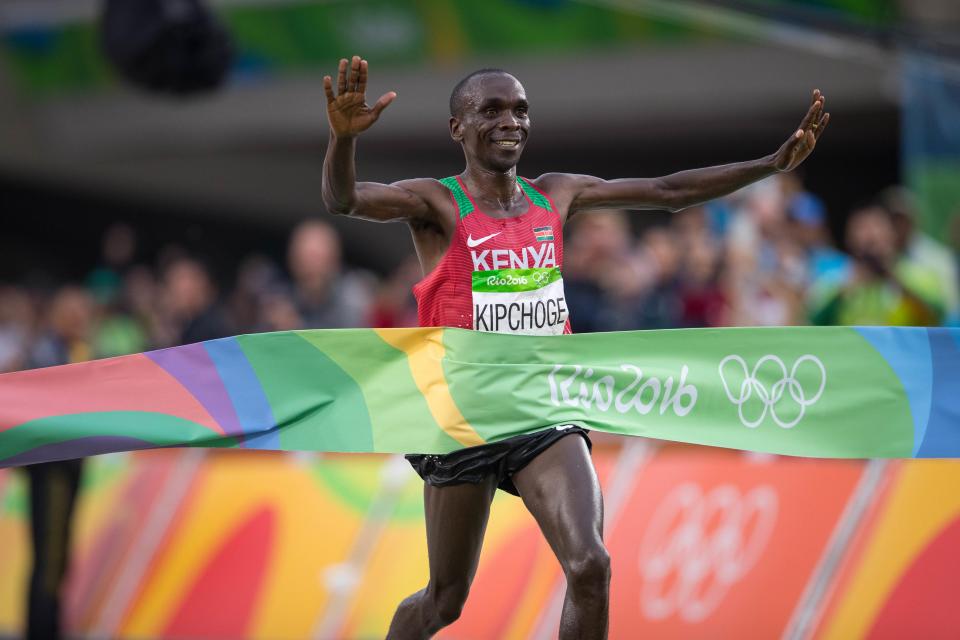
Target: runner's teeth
(507,143)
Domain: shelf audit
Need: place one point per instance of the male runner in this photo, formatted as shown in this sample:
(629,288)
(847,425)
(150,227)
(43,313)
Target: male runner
(491,247)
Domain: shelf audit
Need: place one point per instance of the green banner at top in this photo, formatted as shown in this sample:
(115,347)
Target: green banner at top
(49,57)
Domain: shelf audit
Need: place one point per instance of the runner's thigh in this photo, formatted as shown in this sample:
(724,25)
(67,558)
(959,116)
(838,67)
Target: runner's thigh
(456,518)
(561,490)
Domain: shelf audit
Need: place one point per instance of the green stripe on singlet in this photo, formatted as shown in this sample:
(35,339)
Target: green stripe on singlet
(464,206)
(535,196)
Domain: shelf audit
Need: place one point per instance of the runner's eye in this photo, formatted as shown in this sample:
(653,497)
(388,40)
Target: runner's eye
(522,112)
(490,112)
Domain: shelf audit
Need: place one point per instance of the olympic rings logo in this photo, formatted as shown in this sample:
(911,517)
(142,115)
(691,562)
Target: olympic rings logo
(698,545)
(509,279)
(771,399)
(539,277)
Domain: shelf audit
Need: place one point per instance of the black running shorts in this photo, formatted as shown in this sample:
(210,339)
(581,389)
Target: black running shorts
(502,459)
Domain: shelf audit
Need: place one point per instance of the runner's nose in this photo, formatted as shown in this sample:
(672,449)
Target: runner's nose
(509,122)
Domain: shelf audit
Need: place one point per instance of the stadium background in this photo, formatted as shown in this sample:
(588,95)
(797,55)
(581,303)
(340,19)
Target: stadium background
(134,221)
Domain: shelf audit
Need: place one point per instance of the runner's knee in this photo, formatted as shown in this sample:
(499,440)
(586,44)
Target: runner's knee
(590,569)
(448,602)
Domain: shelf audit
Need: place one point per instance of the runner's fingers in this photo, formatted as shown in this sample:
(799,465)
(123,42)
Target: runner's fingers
(328,89)
(823,125)
(819,115)
(362,82)
(794,140)
(352,81)
(342,77)
(382,103)
(811,114)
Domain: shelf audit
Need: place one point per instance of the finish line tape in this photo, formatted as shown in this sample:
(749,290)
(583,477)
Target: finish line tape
(838,392)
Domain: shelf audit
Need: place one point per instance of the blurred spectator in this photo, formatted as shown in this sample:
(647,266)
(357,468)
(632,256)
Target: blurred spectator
(53,486)
(703,302)
(654,301)
(278,313)
(597,249)
(118,249)
(259,283)
(141,295)
(807,225)
(16,328)
(921,248)
(883,287)
(69,327)
(118,332)
(324,294)
(190,304)
(767,266)
(394,304)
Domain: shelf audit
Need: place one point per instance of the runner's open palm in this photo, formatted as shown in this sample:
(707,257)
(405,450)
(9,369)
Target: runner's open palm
(801,143)
(348,111)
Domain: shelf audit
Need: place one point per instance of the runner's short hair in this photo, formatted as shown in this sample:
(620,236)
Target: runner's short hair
(459,94)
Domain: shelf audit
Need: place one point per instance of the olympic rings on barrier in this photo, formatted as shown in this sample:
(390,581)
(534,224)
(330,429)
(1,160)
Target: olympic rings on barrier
(699,544)
(788,382)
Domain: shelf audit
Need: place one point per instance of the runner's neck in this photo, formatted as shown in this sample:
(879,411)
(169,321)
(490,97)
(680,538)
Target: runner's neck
(498,191)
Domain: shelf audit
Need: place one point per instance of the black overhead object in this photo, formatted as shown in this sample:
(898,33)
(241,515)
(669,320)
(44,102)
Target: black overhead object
(167,46)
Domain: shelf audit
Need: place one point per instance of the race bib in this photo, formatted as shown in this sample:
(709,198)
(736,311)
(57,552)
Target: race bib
(520,301)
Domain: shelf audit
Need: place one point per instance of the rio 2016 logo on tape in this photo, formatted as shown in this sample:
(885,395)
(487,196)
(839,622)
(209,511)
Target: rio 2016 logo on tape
(576,386)
(733,367)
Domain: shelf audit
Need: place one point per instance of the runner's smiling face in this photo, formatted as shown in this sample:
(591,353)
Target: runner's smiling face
(493,124)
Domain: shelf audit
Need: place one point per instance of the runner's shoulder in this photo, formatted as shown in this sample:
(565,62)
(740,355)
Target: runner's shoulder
(423,187)
(563,187)
(431,191)
(561,181)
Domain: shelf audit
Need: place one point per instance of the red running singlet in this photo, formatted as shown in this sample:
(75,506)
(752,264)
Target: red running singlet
(499,274)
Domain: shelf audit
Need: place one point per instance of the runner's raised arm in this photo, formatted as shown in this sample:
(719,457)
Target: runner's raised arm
(349,116)
(677,191)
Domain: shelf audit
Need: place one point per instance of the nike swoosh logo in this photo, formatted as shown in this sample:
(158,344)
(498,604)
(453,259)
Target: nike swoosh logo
(473,243)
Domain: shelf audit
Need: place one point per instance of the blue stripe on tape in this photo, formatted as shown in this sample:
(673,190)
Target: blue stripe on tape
(246,393)
(907,351)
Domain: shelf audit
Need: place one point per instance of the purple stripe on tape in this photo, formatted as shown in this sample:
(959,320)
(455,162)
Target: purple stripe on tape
(192,366)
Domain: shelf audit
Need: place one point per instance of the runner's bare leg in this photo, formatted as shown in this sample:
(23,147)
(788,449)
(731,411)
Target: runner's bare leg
(561,490)
(456,522)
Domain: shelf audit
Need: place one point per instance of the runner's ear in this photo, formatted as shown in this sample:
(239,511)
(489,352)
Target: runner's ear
(456,129)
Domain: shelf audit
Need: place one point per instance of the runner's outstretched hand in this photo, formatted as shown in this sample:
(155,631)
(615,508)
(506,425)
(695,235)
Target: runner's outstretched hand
(348,111)
(801,143)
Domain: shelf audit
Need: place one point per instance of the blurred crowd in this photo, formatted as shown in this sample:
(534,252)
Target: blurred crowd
(764,256)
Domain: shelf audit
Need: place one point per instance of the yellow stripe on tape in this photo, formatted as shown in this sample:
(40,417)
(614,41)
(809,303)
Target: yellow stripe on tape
(425,353)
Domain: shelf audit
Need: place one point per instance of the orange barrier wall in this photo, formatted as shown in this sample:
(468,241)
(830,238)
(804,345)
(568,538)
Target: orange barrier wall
(705,543)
